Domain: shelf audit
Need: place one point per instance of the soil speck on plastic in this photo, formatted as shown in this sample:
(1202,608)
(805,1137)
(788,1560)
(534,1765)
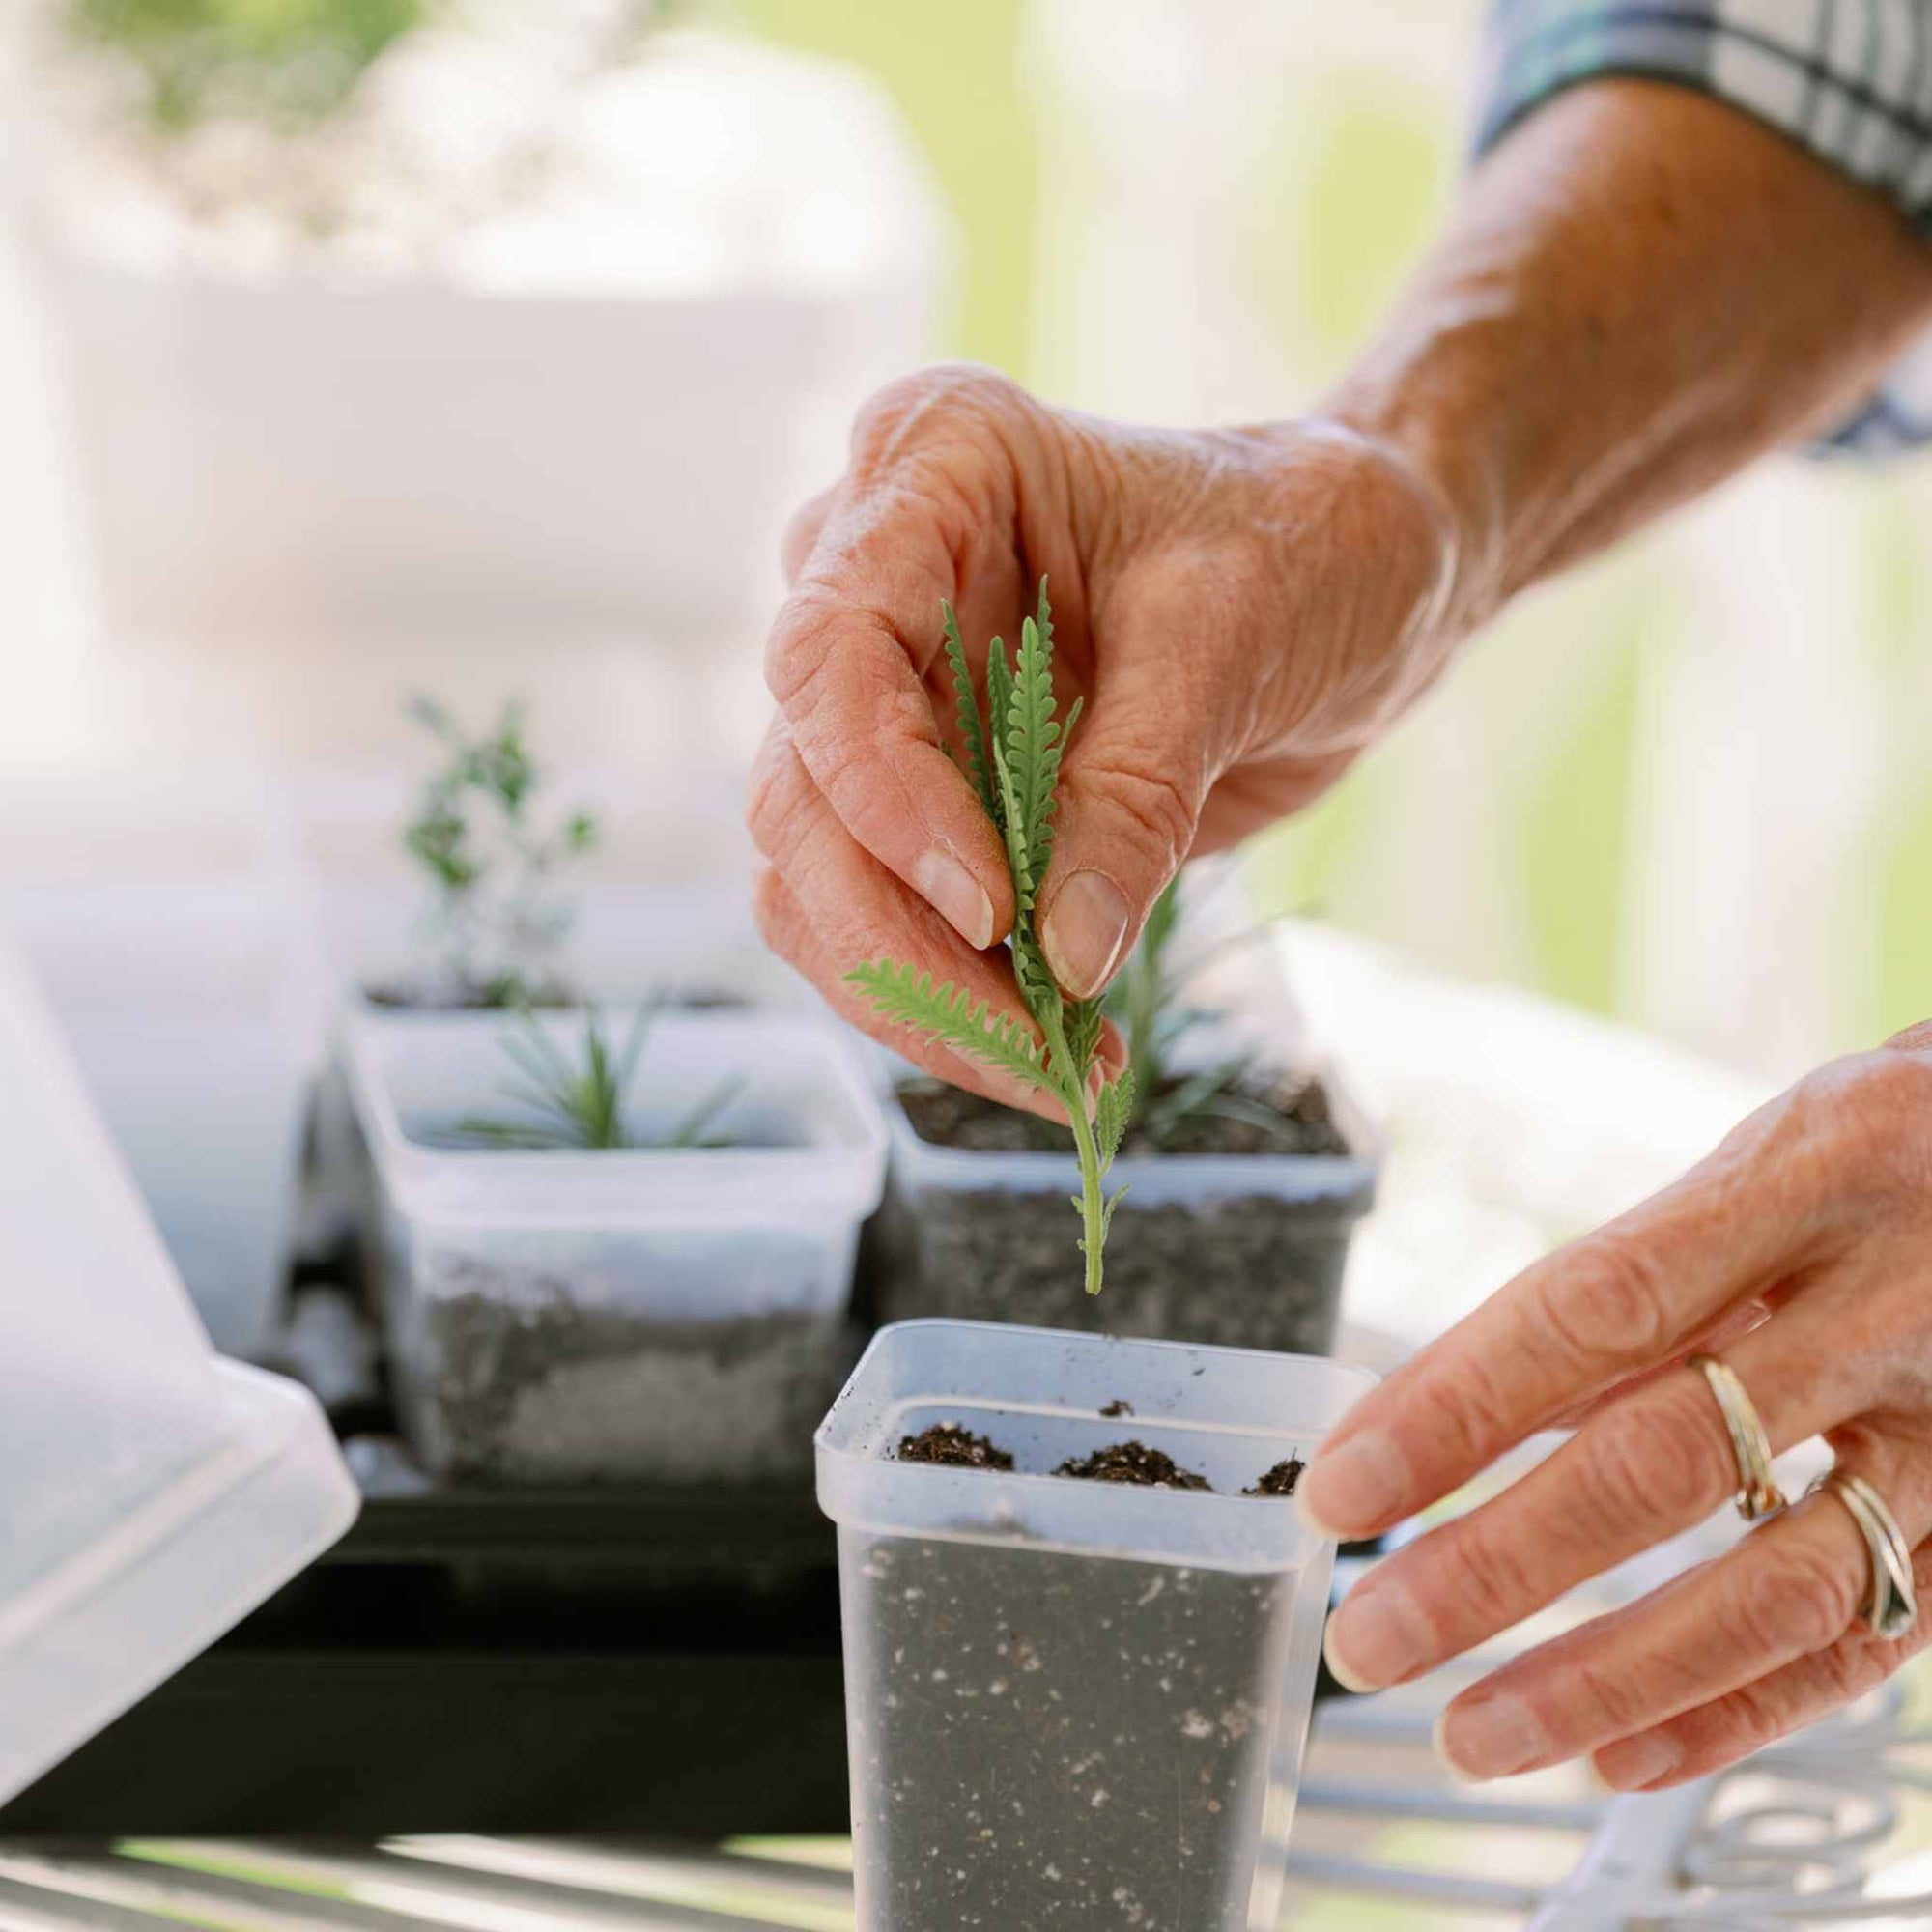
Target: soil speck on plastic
(1132,1462)
(1280,1481)
(954,1447)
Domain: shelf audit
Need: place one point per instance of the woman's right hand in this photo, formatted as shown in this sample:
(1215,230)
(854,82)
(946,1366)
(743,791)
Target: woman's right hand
(1242,611)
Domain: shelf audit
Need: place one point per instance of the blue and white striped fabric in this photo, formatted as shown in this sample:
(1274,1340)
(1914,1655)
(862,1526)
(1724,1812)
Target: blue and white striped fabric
(1850,79)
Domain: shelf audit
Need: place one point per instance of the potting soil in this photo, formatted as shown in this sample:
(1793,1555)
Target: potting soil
(1061,1740)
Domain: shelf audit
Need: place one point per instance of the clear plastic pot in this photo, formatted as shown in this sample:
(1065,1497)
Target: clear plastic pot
(678,1315)
(1074,1703)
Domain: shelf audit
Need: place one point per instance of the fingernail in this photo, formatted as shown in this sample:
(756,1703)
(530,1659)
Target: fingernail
(1377,1637)
(1084,933)
(1490,1737)
(1352,1487)
(1632,1763)
(958,895)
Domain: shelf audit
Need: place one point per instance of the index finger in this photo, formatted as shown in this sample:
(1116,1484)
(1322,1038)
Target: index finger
(1620,1300)
(847,662)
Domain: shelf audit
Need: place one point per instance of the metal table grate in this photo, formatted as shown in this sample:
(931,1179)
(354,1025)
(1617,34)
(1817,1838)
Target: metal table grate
(1833,1828)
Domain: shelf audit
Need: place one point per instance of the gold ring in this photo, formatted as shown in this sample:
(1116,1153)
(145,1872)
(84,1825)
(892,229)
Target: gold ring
(1891,1603)
(1758,1494)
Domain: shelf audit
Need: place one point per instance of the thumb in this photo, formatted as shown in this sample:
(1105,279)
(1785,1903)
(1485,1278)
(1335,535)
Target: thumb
(1130,796)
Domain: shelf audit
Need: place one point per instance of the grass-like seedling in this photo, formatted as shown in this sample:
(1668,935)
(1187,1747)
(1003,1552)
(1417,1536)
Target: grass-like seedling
(492,859)
(1013,759)
(1150,1003)
(583,1106)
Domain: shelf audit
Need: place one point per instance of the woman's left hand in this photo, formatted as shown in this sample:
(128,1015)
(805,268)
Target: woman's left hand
(1801,1252)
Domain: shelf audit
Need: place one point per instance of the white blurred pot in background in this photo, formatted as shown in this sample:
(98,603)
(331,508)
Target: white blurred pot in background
(558,357)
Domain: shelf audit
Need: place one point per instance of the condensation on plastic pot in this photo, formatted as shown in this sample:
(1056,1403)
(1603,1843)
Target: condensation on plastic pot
(149,1495)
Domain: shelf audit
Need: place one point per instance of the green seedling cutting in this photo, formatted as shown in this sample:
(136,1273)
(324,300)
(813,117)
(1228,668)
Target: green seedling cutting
(1012,758)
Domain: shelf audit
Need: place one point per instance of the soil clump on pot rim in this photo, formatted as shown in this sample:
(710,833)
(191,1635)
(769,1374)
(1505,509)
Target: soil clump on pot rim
(1132,1462)
(1280,1481)
(950,1446)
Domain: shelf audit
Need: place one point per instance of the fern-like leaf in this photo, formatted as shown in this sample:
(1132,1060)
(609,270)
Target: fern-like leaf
(1029,737)
(1083,1031)
(1113,1112)
(949,1014)
(998,702)
(972,734)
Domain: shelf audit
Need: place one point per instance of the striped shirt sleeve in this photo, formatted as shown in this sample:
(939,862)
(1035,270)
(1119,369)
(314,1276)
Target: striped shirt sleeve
(1850,79)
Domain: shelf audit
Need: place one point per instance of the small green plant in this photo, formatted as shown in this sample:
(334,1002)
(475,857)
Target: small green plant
(1013,759)
(492,860)
(289,62)
(1148,1003)
(584,1105)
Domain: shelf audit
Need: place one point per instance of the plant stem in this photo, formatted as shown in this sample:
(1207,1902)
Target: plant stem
(1073,1098)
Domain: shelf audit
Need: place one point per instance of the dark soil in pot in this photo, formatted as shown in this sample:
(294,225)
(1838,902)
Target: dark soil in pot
(1066,1741)
(1233,1267)
(951,1116)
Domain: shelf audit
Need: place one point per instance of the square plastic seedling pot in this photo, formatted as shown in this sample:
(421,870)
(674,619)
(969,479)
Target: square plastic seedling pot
(634,1315)
(1235,1250)
(1073,1703)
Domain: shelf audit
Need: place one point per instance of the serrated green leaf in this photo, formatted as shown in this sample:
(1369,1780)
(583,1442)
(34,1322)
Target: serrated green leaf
(949,1014)
(1113,1112)
(1019,843)
(1031,741)
(998,701)
(1084,1018)
(972,733)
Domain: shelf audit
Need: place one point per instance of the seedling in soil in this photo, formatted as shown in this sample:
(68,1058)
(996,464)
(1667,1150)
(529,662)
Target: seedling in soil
(492,859)
(1013,759)
(1150,1003)
(290,65)
(585,1106)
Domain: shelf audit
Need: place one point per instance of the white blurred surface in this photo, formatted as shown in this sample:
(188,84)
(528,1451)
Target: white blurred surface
(1513,1124)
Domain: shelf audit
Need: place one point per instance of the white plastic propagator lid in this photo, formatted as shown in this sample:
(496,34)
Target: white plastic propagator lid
(151,1494)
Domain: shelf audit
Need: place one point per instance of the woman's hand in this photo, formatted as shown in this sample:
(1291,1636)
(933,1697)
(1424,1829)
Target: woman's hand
(1801,1250)
(1242,611)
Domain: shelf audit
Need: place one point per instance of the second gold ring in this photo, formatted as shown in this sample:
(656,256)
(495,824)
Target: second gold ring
(1758,1494)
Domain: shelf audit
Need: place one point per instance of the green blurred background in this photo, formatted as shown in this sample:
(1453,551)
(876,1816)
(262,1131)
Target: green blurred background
(1549,818)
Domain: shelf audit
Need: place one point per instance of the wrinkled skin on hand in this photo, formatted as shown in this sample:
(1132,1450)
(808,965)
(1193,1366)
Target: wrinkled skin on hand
(1800,1250)
(1242,611)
